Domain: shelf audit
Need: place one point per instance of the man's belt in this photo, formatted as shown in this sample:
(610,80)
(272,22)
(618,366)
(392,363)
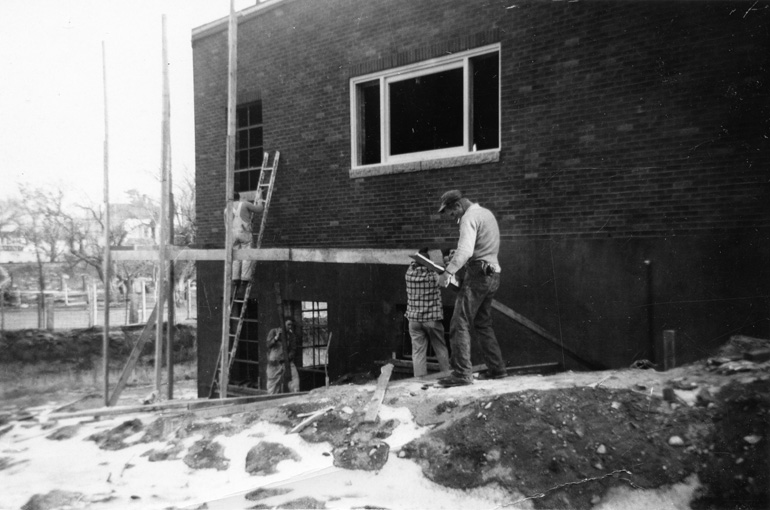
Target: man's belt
(486,267)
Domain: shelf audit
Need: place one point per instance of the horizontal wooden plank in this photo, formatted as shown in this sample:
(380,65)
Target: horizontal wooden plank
(160,406)
(322,255)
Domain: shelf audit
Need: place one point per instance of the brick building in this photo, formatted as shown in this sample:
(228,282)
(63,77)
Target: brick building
(622,145)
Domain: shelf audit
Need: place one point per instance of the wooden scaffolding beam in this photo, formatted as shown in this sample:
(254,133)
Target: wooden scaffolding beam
(232,74)
(106,263)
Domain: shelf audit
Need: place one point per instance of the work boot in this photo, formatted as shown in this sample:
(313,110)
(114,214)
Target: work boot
(487,375)
(453,380)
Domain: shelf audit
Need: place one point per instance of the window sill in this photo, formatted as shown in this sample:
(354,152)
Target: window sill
(475,158)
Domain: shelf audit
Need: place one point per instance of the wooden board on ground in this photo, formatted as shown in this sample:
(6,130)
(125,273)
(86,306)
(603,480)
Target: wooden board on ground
(275,401)
(373,408)
(310,419)
(190,405)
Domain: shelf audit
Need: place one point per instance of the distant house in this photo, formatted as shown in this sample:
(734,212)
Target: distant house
(137,223)
(13,246)
(622,145)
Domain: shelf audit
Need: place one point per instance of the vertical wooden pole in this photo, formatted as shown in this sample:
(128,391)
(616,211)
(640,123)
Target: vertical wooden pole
(169,217)
(161,286)
(188,289)
(41,310)
(49,314)
(144,299)
(232,74)
(107,259)
(171,299)
(652,348)
(89,305)
(669,349)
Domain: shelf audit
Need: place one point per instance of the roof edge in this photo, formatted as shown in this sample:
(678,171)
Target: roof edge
(220,25)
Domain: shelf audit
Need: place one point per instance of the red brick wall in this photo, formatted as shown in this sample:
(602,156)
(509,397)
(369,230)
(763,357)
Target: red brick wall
(619,118)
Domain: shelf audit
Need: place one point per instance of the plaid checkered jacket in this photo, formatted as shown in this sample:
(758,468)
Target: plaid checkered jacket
(423,295)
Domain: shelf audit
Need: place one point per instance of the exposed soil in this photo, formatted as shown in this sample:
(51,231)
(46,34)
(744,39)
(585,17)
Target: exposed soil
(567,447)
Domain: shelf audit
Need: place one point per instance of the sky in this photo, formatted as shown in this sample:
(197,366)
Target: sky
(52,89)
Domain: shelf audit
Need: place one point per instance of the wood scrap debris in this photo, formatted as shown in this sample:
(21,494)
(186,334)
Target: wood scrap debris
(310,419)
(373,407)
(599,382)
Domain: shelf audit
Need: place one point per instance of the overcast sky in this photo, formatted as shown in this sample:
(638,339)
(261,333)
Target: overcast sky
(52,93)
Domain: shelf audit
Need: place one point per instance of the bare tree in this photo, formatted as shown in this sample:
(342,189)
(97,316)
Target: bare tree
(184,224)
(40,211)
(185,229)
(40,227)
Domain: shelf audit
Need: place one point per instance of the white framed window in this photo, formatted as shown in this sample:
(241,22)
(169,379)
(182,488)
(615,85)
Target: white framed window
(441,108)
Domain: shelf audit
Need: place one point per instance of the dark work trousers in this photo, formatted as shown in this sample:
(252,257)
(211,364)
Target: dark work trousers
(473,309)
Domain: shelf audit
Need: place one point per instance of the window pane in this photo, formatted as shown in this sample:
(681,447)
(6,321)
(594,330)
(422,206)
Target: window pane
(255,137)
(242,139)
(486,119)
(241,181)
(241,159)
(426,112)
(369,123)
(241,117)
(255,113)
(254,157)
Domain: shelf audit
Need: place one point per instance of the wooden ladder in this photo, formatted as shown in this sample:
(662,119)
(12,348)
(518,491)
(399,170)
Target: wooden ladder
(264,189)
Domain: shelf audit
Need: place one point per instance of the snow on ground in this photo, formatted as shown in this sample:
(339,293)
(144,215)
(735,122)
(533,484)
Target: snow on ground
(125,479)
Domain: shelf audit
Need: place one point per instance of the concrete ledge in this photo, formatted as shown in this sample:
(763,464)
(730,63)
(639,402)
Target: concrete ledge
(475,158)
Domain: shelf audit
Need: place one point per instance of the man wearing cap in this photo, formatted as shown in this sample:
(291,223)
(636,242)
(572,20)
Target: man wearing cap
(477,250)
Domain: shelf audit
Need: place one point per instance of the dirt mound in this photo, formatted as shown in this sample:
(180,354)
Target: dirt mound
(566,448)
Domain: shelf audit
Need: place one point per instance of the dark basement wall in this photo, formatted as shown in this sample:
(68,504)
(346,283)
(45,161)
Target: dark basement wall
(606,310)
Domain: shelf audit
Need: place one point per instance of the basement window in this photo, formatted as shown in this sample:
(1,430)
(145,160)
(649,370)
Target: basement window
(315,334)
(442,108)
(248,146)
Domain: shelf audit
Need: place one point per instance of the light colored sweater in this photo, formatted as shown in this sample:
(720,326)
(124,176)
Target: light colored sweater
(479,238)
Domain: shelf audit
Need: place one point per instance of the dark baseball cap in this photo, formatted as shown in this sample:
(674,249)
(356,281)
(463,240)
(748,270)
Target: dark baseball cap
(449,198)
